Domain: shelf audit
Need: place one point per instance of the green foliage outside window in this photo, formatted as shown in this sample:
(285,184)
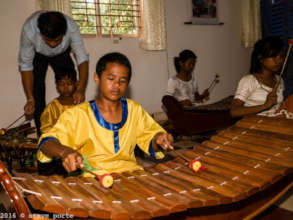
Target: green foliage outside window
(101,16)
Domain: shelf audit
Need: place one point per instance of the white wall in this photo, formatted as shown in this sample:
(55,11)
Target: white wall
(218,49)
(217,46)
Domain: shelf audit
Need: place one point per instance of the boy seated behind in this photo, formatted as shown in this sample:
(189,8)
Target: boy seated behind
(66,86)
(106,130)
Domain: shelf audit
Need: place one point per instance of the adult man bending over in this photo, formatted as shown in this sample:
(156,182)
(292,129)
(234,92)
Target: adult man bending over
(47,38)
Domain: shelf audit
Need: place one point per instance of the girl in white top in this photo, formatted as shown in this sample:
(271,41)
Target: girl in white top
(259,93)
(183,86)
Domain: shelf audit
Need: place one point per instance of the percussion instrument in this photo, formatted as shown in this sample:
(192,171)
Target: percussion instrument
(222,105)
(15,145)
(247,167)
(194,120)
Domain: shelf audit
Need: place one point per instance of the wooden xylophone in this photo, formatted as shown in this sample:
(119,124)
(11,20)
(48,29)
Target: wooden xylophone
(222,105)
(247,167)
(190,120)
(16,146)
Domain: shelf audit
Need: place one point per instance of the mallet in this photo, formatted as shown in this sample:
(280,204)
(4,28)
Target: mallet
(4,130)
(195,165)
(105,180)
(214,82)
(212,85)
(290,42)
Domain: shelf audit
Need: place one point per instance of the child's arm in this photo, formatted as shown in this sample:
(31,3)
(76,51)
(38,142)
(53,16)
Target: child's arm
(186,102)
(164,140)
(201,97)
(71,159)
(27,82)
(246,87)
(238,109)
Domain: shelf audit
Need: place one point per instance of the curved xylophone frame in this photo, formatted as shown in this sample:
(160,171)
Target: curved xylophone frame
(248,167)
(20,205)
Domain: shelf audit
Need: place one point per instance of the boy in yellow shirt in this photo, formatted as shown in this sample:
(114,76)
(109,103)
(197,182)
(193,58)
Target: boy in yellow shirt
(66,83)
(66,86)
(106,130)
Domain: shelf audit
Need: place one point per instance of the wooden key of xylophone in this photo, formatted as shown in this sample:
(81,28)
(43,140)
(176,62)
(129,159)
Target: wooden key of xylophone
(243,163)
(225,163)
(106,197)
(152,194)
(168,192)
(259,138)
(154,209)
(270,124)
(265,150)
(223,184)
(183,187)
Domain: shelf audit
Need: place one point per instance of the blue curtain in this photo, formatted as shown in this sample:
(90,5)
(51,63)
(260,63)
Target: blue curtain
(277,20)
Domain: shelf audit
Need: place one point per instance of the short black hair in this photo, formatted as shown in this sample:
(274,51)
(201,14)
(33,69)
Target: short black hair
(183,56)
(264,48)
(62,74)
(52,24)
(114,57)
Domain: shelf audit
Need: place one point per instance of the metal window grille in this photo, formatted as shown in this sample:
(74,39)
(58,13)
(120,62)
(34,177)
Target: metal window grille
(107,17)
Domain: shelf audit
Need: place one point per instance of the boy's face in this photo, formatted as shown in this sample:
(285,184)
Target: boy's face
(53,42)
(66,87)
(113,81)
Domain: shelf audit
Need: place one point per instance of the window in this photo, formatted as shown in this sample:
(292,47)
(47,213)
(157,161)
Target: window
(277,20)
(107,17)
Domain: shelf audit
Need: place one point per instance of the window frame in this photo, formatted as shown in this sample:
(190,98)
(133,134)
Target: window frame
(98,25)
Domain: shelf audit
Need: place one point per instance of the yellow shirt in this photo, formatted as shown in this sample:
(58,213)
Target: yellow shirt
(108,147)
(51,114)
